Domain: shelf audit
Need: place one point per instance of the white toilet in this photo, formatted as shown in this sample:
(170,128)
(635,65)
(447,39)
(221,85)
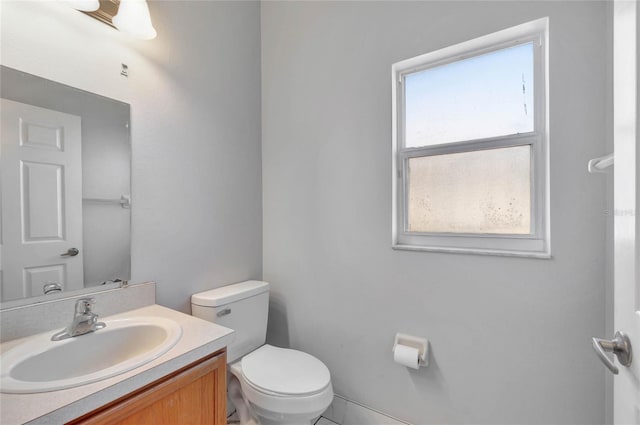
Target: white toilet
(268,385)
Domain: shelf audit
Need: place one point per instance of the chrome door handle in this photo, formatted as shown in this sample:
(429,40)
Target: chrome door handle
(620,345)
(51,286)
(71,252)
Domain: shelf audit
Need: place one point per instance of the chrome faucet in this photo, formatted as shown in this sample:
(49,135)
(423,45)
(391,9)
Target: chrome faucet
(84,320)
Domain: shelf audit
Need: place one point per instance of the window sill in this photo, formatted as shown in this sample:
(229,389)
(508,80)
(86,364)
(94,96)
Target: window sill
(474,251)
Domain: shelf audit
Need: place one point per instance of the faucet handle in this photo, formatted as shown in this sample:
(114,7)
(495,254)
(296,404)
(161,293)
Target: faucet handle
(85,305)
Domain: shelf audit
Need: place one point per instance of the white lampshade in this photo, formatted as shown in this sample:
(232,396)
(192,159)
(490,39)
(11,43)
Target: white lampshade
(85,5)
(133,18)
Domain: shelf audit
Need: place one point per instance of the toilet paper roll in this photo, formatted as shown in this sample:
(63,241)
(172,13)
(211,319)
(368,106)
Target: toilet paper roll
(406,356)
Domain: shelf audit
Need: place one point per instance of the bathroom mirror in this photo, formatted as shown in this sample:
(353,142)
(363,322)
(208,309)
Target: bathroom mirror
(65,167)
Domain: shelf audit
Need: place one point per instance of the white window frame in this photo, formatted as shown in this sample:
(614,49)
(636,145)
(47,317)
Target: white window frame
(538,243)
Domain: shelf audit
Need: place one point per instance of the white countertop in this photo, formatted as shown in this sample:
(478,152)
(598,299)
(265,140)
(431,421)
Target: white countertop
(199,338)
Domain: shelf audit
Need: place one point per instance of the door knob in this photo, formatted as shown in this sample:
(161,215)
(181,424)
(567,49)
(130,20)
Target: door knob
(620,345)
(51,286)
(71,252)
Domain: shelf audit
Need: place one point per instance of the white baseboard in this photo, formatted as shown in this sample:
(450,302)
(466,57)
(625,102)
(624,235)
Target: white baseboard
(346,412)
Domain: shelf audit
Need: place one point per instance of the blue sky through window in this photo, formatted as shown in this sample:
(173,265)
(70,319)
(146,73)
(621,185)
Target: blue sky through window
(484,96)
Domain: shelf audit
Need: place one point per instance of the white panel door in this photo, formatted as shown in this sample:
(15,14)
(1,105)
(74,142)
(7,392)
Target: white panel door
(626,202)
(40,161)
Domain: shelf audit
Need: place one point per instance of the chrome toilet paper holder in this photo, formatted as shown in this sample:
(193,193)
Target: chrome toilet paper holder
(421,344)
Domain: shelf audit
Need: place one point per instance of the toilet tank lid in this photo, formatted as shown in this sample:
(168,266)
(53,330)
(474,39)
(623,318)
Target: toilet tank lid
(230,293)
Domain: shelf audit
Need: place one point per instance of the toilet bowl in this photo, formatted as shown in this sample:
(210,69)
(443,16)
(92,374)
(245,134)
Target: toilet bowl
(267,385)
(281,386)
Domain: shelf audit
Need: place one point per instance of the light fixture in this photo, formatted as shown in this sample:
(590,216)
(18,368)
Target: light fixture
(129,16)
(133,18)
(85,5)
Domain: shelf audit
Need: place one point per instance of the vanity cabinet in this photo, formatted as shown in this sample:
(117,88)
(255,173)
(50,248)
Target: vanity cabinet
(193,395)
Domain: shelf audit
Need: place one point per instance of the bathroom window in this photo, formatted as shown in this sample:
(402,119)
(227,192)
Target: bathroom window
(470,146)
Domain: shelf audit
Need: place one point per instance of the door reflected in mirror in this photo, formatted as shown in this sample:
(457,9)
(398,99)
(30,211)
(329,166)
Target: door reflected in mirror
(65,166)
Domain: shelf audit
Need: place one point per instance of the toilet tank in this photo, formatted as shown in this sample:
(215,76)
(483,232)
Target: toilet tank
(243,307)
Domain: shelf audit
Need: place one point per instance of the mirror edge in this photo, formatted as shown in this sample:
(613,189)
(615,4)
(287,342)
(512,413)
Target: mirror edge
(41,299)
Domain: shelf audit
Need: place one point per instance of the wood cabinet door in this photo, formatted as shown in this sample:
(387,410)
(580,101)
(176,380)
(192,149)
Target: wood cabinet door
(195,395)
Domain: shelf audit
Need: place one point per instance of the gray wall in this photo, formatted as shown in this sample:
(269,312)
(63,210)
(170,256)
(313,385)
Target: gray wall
(197,159)
(195,110)
(510,336)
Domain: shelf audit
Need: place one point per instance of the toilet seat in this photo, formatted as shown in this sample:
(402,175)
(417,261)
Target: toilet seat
(286,372)
(268,398)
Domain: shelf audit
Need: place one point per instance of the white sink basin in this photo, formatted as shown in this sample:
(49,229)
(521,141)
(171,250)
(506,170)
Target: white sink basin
(39,364)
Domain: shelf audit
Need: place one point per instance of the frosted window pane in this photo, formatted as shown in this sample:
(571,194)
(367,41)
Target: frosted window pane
(484,191)
(484,96)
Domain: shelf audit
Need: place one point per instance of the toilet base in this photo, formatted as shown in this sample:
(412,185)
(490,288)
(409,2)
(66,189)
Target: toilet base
(251,414)
(268,418)
(266,421)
